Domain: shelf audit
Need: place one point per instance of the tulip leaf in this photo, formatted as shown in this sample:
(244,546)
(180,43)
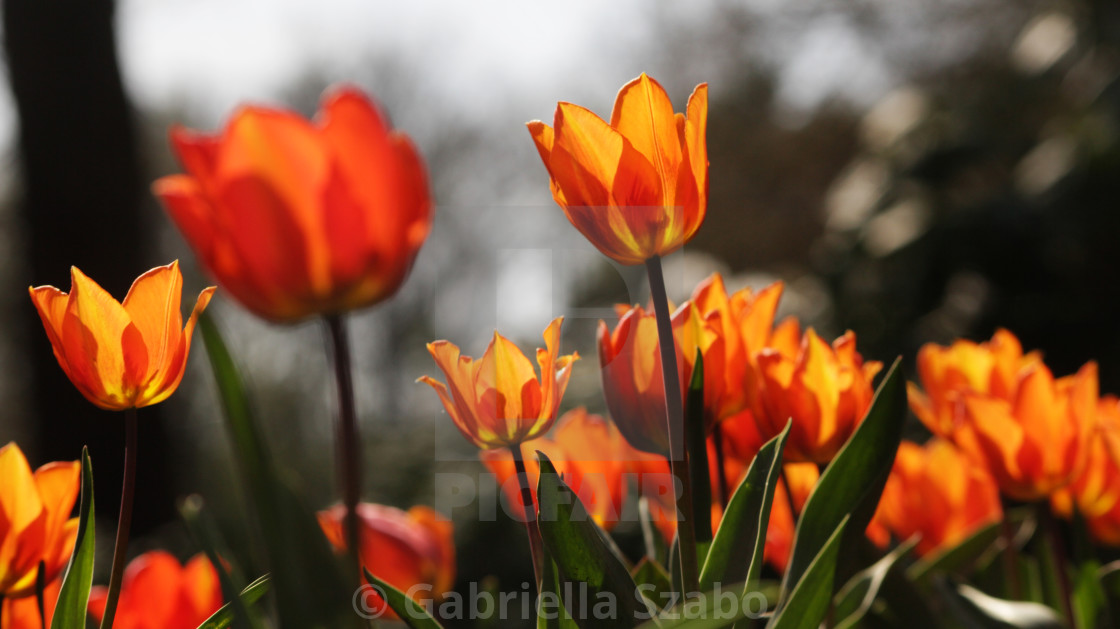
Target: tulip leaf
(852,483)
(651,578)
(577,546)
(979,609)
(551,612)
(700,483)
(410,612)
(205,533)
(856,597)
(310,590)
(706,610)
(70,610)
(736,553)
(224,617)
(808,602)
(958,558)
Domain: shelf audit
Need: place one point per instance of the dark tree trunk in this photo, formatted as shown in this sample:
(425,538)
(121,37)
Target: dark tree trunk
(81,206)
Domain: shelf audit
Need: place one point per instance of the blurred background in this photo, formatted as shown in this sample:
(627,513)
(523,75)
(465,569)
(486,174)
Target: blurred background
(913,171)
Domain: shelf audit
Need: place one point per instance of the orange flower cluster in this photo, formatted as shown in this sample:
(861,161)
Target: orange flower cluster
(404,548)
(774,374)
(938,493)
(1095,493)
(1006,410)
(160,593)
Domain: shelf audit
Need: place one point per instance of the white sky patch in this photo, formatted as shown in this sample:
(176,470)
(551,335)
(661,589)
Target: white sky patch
(831,59)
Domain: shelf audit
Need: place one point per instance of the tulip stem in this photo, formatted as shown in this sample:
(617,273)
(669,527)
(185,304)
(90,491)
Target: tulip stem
(721,473)
(674,415)
(529,513)
(1061,560)
(1010,558)
(346,438)
(124,522)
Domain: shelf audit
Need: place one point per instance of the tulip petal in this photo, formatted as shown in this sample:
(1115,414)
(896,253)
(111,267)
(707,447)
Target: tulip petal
(643,114)
(51,305)
(152,305)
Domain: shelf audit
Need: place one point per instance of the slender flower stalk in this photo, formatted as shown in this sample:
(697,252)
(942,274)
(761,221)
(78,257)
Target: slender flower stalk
(1061,560)
(531,527)
(124,522)
(674,414)
(721,471)
(346,436)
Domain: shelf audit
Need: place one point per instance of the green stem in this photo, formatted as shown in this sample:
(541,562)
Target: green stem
(347,441)
(721,473)
(1061,560)
(674,412)
(1010,558)
(124,522)
(530,514)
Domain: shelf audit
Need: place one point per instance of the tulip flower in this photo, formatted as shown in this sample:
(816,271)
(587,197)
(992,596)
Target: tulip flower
(297,218)
(403,548)
(632,375)
(161,593)
(938,493)
(121,355)
(947,373)
(588,452)
(826,390)
(35,522)
(498,401)
(23,613)
(636,187)
(1095,492)
(1036,442)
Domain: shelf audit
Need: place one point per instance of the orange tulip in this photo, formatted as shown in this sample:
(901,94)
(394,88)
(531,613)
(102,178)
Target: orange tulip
(825,389)
(631,370)
(126,354)
(947,373)
(297,218)
(35,522)
(1036,442)
(743,321)
(638,186)
(587,450)
(405,549)
(1096,490)
(939,493)
(498,401)
(160,593)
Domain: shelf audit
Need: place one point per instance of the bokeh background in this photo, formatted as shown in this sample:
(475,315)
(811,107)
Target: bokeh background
(914,171)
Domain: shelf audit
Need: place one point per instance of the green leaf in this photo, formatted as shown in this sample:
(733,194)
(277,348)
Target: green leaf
(852,483)
(709,610)
(411,613)
(556,615)
(1088,596)
(959,558)
(810,598)
(700,481)
(996,613)
(577,546)
(736,552)
(252,593)
(206,535)
(651,578)
(70,610)
(310,589)
(856,597)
